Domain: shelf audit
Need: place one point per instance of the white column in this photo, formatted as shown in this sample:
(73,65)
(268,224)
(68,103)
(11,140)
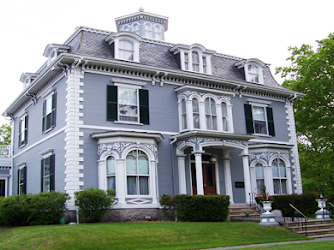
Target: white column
(153,183)
(182,173)
(219,117)
(189,110)
(253,181)
(202,115)
(228,178)
(120,182)
(288,176)
(246,177)
(102,174)
(230,118)
(199,173)
(268,180)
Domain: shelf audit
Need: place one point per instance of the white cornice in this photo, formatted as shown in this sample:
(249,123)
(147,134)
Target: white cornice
(133,134)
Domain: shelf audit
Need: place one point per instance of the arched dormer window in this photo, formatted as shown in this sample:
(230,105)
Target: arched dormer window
(253,69)
(194,58)
(196,119)
(126,50)
(148,30)
(253,73)
(210,114)
(135,28)
(126,28)
(126,45)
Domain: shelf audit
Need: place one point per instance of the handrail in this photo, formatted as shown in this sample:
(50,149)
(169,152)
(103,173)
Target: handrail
(330,203)
(305,218)
(331,211)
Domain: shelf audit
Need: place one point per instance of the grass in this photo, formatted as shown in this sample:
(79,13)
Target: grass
(148,235)
(298,246)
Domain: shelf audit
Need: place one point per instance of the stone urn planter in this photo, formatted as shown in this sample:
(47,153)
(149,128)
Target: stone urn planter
(267,218)
(267,206)
(322,213)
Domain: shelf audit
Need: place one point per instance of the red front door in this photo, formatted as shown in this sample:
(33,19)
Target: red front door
(209,178)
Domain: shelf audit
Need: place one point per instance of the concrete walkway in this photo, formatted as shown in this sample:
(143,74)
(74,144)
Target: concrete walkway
(275,243)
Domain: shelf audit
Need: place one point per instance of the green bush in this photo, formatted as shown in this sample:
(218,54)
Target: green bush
(196,208)
(33,209)
(93,203)
(305,203)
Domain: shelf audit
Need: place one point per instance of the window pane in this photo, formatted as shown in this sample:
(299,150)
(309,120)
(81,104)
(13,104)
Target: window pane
(111,166)
(207,106)
(260,185)
(143,164)
(259,171)
(48,106)
(276,186)
(127,96)
(143,185)
(196,120)
(195,105)
(283,183)
(131,184)
(260,127)
(258,113)
(274,168)
(111,182)
(131,166)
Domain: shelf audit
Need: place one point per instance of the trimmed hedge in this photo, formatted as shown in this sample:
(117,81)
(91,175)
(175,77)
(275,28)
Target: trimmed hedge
(305,203)
(93,203)
(33,209)
(208,208)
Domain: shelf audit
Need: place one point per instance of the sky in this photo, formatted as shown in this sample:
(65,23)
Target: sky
(262,29)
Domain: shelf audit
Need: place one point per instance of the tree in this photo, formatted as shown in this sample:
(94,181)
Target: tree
(312,73)
(5,134)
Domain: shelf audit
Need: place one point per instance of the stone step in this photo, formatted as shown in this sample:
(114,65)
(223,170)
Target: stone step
(237,212)
(314,228)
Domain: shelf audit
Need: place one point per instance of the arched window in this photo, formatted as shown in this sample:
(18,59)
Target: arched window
(137,173)
(148,30)
(195,58)
(259,178)
(157,32)
(135,28)
(126,50)
(210,114)
(253,73)
(111,173)
(184,114)
(279,176)
(195,113)
(126,28)
(224,116)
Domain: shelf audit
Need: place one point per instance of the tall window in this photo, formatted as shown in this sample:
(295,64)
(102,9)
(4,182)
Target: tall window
(224,116)
(148,30)
(210,114)
(49,112)
(157,32)
(126,50)
(195,59)
(126,28)
(111,182)
(186,61)
(195,113)
(184,114)
(205,67)
(135,28)
(22,180)
(128,104)
(23,130)
(48,174)
(259,119)
(137,171)
(259,178)
(253,73)
(279,176)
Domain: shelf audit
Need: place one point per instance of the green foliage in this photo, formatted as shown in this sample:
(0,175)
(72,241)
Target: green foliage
(312,73)
(93,203)
(33,209)
(306,203)
(196,208)
(5,134)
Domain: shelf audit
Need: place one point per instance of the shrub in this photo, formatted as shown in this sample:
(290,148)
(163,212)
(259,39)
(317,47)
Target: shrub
(93,203)
(33,209)
(305,203)
(196,208)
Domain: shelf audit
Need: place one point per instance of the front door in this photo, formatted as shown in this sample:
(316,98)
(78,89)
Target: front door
(209,178)
(2,188)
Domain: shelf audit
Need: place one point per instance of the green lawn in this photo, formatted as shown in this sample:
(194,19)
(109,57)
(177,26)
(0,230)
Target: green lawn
(298,246)
(145,235)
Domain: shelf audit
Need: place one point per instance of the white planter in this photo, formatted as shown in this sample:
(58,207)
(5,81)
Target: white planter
(267,206)
(321,203)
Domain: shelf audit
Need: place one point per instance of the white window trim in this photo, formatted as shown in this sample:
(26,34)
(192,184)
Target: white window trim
(46,153)
(135,48)
(255,62)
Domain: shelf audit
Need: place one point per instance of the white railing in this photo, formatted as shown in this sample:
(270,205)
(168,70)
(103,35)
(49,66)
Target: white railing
(5,151)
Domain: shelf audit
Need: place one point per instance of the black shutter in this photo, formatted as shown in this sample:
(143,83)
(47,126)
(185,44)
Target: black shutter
(24,188)
(270,117)
(44,117)
(52,172)
(26,129)
(42,174)
(112,103)
(18,181)
(249,119)
(20,125)
(144,106)
(54,109)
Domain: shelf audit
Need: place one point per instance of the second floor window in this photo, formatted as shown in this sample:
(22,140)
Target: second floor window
(210,114)
(184,114)
(23,131)
(196,118)
(49,112)
(259,120)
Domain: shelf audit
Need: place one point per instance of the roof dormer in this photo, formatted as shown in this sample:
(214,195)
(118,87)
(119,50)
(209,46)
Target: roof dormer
(193,57)
(145,24)
(53,50)
(27,79)
(253,70)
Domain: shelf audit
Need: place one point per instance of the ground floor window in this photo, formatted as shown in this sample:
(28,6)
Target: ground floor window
(111,166)
(259,178)
(279,176)
(48,174)
(22,180)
